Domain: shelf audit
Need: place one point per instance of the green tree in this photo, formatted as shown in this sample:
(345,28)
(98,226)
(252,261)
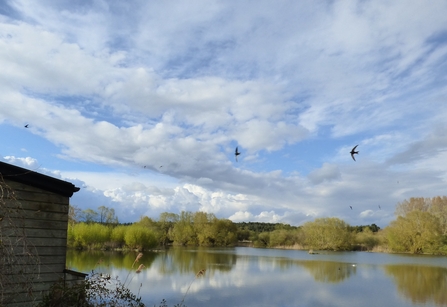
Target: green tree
(107,215)
(203,228)
(224,232)
(263,239)
(166,223)
(117,236)
(91,235)
(327,234)
(417,232)
(140,237)
(436,206)
(284,237)
(148,222)
(413,204)
(367,238)
(183,231)
(89,215)
(439,209)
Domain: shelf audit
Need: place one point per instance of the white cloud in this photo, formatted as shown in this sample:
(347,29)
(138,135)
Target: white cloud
(26,162)
(326,172)
(163,100)
(264,216)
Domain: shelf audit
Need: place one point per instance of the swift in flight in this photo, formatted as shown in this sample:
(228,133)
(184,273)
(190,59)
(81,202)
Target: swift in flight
(236,153)
(353,152)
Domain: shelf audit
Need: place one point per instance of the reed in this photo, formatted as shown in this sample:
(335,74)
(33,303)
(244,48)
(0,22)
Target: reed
(140,268)
(139,256)
(198,275)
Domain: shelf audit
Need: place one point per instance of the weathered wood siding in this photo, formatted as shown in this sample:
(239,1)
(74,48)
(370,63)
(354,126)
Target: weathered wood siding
(35,222)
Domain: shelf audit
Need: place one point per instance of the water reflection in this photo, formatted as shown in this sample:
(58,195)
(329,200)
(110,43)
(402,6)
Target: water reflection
(172,261)
(186,261)
(329,272)
(420,284)
(260,277)
(86,261)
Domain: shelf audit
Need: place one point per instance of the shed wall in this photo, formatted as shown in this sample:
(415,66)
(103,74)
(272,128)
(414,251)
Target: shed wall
(34,230)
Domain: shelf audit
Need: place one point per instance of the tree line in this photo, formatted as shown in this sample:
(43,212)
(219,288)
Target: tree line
(420,227)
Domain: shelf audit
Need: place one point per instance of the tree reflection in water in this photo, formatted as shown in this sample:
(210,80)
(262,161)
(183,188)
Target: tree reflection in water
(85,261)
(329,272)
(241,274)
(420,284)
(185,260)
(172,261)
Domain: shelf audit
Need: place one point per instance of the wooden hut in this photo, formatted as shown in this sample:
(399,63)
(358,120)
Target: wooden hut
(33,234)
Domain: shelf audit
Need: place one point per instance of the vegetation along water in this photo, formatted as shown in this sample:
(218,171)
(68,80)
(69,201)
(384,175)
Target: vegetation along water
(324,262)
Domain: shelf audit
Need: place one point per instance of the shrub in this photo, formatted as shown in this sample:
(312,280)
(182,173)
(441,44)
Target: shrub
(117,235)
(89,235)
(140,237)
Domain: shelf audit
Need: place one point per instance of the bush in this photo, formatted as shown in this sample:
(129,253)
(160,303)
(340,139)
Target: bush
(89,235)
(140,237)
(327,234)
(117,235)
(367,239)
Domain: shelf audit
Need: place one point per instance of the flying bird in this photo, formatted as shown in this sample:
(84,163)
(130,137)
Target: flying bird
(236,153)
(350,207)
(380,208)
(26,126)
(353,152)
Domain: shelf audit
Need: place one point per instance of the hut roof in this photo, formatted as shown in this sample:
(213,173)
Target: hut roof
(32,178)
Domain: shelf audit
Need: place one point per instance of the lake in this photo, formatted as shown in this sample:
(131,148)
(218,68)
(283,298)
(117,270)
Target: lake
(244,276)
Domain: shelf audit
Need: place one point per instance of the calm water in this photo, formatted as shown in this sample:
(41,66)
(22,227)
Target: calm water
(245,276)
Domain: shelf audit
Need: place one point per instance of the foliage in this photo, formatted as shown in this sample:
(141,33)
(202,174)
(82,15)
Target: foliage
(437,206)
(104,215)
(117,236)
(107,215)
(183,231)
(367,239)
(259,227)
(417,232)
(89,216)
(284,237)
(140,237)
(205,229)
(262,240)
(327,234)
(88,235)
(202,229)
(361,228)
(421,226)
(166,223)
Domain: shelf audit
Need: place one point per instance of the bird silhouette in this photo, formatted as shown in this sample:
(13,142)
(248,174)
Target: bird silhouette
(236,153)
(379,207)
(26,126)
(350,207)
(353,152)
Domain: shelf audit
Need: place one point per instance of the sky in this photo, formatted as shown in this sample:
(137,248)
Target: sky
(141,104)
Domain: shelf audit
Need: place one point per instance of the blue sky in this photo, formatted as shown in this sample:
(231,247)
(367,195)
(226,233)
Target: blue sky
(109,87)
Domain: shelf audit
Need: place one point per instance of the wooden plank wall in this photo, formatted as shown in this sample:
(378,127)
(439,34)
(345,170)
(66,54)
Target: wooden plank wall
(34,223)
